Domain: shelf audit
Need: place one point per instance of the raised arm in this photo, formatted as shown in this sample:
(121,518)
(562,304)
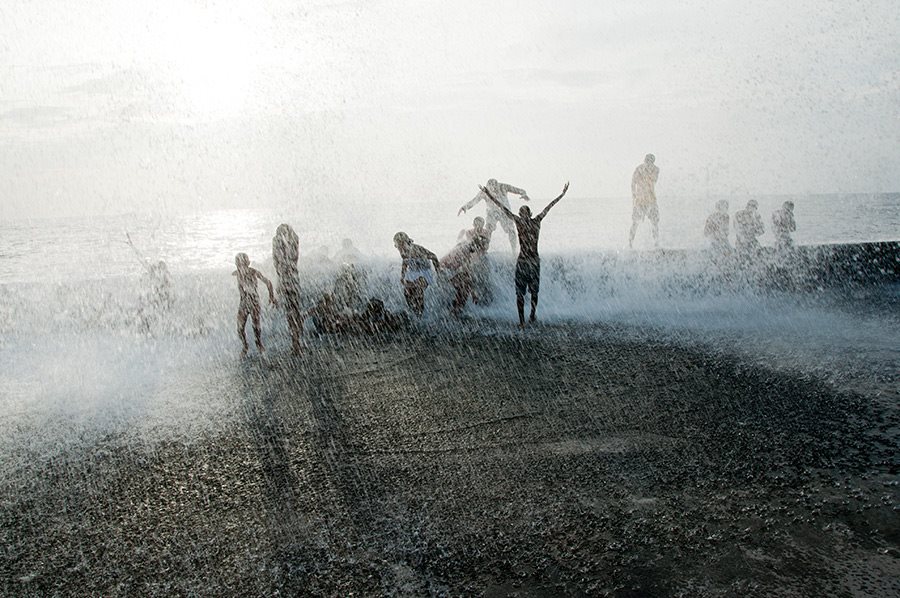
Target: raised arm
(510,189)
(553,203)
(471,203)
(498,204)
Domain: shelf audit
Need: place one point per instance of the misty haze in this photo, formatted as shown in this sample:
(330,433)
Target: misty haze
(449,299)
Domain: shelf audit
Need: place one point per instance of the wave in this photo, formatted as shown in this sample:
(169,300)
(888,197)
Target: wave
(584,286)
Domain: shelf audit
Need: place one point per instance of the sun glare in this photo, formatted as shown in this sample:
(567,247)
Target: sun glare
(213,62)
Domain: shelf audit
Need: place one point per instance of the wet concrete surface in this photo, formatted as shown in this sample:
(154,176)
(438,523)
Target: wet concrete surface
(550,463)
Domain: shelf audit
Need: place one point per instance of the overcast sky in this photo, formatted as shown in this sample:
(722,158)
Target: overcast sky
(111,106)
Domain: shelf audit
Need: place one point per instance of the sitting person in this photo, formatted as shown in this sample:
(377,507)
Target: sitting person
(348,287)
(326,316)
(375,319)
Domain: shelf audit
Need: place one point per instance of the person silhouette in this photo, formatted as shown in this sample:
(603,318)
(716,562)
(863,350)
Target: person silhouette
(528,264)
(748,226)
(285,253)
(415,273)
(716,229)
(495,215)
(247,279)
(643,193)
(783,225)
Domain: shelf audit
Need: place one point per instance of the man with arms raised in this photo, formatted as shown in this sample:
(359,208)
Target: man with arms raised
(528,265)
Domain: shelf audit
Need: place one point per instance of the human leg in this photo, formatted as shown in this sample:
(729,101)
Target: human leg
(653,215)
(295,324)
(482,292)
(521,287)
(415,295)
(241,324)
(463,284)
(534,285)
(520,308)
(257,331)
(291,303)
(510,229)
(637,214)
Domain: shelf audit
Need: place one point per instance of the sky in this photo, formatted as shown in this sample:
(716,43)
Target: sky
(111,107)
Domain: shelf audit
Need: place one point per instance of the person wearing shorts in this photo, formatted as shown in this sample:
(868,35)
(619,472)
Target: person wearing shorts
(528,264)
(415,272)
(643,192)
(528,279)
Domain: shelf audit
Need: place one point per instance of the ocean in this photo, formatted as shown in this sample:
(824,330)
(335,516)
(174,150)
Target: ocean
(91,247)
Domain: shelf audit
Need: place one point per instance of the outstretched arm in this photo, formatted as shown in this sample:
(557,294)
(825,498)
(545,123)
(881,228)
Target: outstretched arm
(510,189)
(469,205)
(553,203)
(498,204)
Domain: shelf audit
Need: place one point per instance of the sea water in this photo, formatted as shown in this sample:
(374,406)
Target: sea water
(75,344)
(94,246)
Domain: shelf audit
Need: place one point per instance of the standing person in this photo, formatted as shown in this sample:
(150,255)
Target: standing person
(495,215)
(285,253)
(160,284)
(643,192)
(415,274)
(528,265)
(748,225)
(347,254)
(716,229)
(156,294)
(247,279)
(783,225)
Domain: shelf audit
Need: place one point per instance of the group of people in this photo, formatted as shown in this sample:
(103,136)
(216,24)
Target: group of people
(465,266)
(338,311)
(343,310)
(748,226)
(466,263)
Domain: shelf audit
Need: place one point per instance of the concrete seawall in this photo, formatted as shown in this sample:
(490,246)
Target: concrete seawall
(862,263)
(805,266)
